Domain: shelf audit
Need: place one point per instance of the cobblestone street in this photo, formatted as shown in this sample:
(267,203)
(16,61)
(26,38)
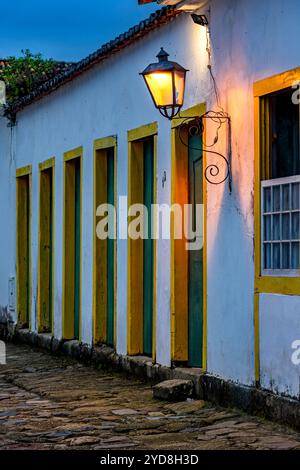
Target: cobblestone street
(57,403)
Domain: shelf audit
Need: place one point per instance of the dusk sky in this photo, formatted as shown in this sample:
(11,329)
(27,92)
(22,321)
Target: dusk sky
(65,29)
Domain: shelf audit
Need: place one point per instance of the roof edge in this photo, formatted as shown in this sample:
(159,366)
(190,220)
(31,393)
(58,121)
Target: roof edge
(154,21)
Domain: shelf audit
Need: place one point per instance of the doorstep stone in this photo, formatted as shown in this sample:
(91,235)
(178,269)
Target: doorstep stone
(44,341)
(56,346)
(173,390)
(71,348)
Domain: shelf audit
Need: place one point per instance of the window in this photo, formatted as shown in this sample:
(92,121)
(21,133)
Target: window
(280,185)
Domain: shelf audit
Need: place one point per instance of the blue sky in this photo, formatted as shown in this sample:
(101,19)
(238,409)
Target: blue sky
(65,29)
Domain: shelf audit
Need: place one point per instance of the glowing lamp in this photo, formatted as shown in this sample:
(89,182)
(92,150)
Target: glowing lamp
(165,81)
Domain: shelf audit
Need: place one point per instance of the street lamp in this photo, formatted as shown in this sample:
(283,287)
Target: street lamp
(165,81)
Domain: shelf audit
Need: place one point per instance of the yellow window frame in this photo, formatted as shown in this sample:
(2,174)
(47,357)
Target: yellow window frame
(266,284)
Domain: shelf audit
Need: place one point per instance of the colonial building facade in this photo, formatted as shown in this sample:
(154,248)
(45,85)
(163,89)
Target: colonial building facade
(92,136)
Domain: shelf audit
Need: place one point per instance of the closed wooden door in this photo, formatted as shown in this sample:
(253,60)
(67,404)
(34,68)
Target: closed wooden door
(46,250)
(23,250)
(110,252)
(77,249)
(72,248)
(148,249)
(195,263)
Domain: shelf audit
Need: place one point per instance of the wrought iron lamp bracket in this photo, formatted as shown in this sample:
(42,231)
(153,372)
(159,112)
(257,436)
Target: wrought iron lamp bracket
(194,125)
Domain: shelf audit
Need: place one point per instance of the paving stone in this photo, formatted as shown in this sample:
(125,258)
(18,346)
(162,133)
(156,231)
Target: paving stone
(187,407)
(242,435)
(174,427)
(115,446)
(60,404)
(83,441)
(277,442)
(204,437)
(218,432)
(246,425)
(220,416)
(59,435)
(215,427)
(6,414)
(173,390)
(3,396)
(30,370)
(110,418)
(124,412)
(156,414)
(117,439)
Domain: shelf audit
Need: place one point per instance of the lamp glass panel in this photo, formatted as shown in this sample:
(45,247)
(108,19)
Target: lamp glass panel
(179,87)
(161,87)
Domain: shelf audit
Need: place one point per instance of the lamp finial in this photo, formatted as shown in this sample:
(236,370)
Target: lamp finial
(162,55)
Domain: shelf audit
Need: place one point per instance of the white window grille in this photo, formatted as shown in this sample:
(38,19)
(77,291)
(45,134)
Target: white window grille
(280,226)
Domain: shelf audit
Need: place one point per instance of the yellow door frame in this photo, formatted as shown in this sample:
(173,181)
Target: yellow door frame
(43,167)
(99,265)
(179,255)
(68,236)
(25,171)
(266,284)
(135,247)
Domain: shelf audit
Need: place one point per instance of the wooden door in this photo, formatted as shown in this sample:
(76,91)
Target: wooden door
(110,252)
(148,249)
(46,250)
(195,262)
(77,230)
(23,250)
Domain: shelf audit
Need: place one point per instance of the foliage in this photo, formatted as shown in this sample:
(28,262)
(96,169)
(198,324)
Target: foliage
(23,74)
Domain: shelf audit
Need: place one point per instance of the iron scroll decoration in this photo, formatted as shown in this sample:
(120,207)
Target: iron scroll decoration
(194,125)
(165,81)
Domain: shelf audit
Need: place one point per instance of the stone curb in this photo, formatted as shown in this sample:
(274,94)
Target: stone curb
(252,400)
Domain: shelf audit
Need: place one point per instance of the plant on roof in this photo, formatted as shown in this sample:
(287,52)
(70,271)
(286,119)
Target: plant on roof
(25,73)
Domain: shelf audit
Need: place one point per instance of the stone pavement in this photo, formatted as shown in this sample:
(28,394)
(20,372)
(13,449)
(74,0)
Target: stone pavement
(51,402)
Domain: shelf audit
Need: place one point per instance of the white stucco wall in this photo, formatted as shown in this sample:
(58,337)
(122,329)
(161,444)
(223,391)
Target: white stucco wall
(250,40)
(110,99)
(7,226)
(279,329)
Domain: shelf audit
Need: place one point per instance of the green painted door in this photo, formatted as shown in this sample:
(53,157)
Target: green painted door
(148,249)
(195,281)
(77,249)
(110,251)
